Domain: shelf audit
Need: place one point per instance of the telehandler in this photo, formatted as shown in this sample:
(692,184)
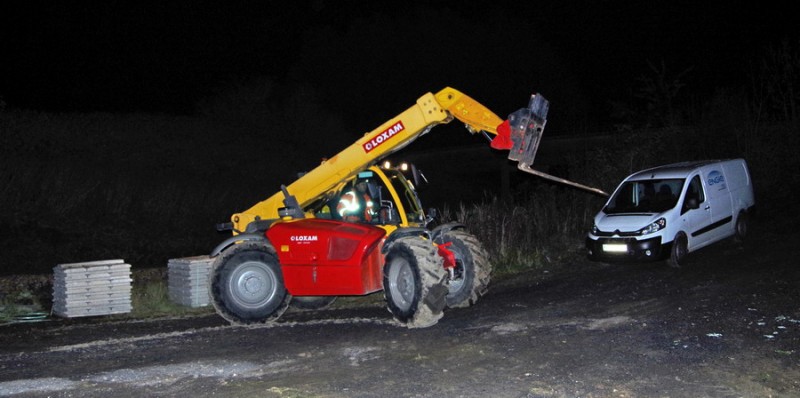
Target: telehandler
(350,227)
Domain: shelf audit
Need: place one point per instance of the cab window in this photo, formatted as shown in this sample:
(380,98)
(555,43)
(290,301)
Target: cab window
(408,197)
(694,193)
(645,196)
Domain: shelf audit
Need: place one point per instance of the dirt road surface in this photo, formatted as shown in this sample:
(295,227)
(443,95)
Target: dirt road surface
(727,326)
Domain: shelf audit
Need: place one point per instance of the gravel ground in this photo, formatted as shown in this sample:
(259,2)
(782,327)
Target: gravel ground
(726,326)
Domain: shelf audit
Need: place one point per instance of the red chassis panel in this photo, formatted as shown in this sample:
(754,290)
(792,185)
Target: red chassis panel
(328,258)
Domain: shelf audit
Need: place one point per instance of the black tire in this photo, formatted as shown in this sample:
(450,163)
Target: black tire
(312,302)
(472,273)
(247,284)
(414,282)
(679,251)
(740,232)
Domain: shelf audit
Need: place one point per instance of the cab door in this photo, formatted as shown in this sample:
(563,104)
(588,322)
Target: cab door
(696,213)
(402,197)
(391,196)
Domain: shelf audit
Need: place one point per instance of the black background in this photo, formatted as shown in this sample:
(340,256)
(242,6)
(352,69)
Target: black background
(166,56)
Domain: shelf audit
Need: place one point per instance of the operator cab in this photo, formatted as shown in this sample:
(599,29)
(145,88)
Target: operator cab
(375,196)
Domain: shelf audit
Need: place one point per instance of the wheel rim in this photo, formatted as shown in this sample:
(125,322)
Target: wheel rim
(253,284)
(401,283)
(457,281)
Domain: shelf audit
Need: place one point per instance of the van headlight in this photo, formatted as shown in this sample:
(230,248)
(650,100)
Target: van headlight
(655,226)
(594,229)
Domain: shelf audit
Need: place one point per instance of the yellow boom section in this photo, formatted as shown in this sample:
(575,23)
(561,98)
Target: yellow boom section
(399,131)
(476,116)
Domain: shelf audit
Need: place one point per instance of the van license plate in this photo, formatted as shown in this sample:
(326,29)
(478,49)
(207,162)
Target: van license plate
(615,248)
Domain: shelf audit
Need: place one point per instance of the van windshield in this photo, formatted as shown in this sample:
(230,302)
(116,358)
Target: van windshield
(645,196)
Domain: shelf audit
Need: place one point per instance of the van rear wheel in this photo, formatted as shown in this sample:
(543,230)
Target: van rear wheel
(741,228)
(677,255)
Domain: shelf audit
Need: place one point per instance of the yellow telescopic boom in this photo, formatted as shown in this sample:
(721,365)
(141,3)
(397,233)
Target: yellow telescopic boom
(520,134)
(430,110)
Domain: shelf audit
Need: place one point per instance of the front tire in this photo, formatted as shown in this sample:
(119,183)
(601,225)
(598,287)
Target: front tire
(414,282)
(247,284)
(679,251)
(473,270)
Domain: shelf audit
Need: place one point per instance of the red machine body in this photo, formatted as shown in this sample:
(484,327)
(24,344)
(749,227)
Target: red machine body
(328,258)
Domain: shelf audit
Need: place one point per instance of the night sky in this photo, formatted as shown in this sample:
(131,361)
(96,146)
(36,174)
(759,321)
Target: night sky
(190,111)
(166,56)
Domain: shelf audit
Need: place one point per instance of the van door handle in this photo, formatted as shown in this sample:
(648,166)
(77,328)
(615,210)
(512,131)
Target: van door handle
(707,207)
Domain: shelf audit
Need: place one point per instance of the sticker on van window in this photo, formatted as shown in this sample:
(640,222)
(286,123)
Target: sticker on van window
(716,178)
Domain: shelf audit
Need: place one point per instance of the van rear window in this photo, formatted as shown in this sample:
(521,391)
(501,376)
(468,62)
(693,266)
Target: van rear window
(645,196)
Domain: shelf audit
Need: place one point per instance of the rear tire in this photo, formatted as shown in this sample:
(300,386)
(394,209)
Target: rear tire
(473,270)
(679,251)
(414,282)
(312,302)
(247,284)
(740,232)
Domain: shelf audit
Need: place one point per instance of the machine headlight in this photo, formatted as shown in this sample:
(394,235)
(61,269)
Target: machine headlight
(655,226)
(594,229)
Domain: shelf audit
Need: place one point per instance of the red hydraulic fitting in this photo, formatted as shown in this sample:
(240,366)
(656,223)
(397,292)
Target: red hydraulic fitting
(448,256)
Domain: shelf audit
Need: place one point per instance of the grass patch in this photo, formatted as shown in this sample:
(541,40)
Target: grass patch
(31,296)
(150,297)
(11,310)
(23,296)
(534,233)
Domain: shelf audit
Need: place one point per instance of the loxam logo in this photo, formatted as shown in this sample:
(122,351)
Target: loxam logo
(304,238)
(384,136)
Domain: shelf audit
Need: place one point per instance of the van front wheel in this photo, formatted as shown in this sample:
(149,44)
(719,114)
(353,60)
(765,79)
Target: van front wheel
(677,255)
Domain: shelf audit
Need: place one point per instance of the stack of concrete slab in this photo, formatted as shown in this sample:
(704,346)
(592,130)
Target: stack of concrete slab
(92,288)
(188,280)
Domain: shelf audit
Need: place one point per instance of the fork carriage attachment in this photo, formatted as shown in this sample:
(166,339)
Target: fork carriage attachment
(526,128)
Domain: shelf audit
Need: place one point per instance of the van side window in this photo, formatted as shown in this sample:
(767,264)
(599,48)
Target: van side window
(693,193)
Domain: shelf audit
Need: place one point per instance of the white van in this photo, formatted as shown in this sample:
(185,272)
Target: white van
(672,210)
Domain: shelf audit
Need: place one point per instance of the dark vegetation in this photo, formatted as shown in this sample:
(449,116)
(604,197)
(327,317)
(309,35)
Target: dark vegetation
(149,187)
